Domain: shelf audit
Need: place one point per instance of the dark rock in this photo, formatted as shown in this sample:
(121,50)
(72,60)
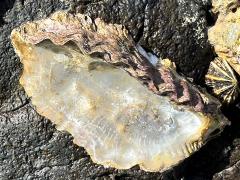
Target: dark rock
(231,173)
(30,146)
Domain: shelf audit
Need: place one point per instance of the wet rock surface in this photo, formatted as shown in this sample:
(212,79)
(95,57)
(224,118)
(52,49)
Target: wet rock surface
(230,173)
(31,147)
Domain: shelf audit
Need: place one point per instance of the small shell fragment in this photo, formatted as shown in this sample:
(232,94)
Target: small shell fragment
(89,79)
(222,80)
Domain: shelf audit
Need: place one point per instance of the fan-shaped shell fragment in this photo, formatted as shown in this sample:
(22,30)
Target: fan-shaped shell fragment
(222,80)
(90,80)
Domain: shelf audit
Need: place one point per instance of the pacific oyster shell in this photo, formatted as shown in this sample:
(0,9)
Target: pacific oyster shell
(89,79)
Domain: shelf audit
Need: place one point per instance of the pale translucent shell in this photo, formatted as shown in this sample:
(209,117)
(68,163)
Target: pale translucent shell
(118,120)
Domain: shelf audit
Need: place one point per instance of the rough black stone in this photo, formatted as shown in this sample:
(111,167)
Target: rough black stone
(31,147)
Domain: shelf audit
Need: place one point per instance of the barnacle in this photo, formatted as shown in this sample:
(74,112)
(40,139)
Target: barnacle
(89,79)
(222,80)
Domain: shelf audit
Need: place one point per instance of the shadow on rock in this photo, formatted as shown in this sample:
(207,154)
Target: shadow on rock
(5,6)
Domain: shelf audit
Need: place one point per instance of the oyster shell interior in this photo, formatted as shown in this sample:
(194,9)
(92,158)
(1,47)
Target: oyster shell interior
(106,108)
(119,121)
